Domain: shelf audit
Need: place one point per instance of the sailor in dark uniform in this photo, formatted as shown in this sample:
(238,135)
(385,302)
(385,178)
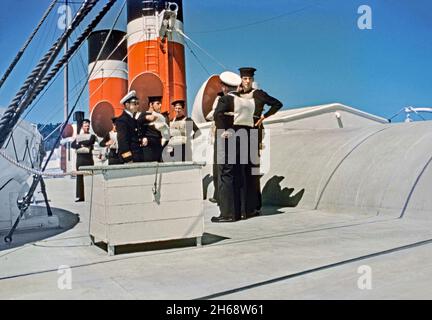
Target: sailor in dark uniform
(155,130)
(229,81)
(230,202)
(260,98)
(111,143)
(182,129)
(84,155)
(128,131)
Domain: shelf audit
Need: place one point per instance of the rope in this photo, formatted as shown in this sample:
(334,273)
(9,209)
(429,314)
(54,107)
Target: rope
(72,50)
(71,54)
(155,185)
(26,44)
(42,173)
(20,102)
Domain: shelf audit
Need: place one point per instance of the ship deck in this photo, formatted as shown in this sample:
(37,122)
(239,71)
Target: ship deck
(286,253)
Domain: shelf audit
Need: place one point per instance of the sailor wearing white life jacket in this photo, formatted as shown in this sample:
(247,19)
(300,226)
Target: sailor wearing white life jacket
(260,98)
(84,148)
(155,130)
(111,143)
(183,129)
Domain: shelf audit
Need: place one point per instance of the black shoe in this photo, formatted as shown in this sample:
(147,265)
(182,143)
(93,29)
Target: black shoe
(253,214)
(221,219)
(79,200)
(256,213)
(213,200)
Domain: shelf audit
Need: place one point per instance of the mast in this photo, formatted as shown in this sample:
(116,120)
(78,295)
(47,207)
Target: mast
(66,148)
(66,69)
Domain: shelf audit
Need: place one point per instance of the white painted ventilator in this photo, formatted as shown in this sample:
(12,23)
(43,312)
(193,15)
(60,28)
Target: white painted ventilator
(144,202)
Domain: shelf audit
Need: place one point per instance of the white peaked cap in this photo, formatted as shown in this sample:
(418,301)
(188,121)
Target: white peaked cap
(130,95)
(230,78)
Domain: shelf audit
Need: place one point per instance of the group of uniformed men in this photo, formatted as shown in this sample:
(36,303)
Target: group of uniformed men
(145,136)
(238,118)
(139,136)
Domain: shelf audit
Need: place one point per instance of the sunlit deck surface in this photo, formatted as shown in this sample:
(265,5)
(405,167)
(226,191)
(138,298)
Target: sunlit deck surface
(286,253)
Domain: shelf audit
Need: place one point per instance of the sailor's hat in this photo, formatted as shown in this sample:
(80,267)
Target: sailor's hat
(154,99)
(247,72)
(230,78)
(131,95)
(180,102)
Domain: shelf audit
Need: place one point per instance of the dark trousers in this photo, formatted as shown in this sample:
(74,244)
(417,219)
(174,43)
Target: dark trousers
(239,185)
(229,198)
(82,160)
(114,158)
(152,153)
(215,173)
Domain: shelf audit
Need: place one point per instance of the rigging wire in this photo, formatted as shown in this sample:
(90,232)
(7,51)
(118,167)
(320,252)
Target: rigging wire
(201,48)
(26,44)
(87,77)
(196,57)
(74,48)
(26,94)
(288,13)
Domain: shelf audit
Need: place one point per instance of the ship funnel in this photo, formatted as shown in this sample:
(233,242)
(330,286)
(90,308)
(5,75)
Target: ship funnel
(156,51)
(108,78)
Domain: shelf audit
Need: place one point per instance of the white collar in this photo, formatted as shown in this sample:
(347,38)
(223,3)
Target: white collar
(131,114)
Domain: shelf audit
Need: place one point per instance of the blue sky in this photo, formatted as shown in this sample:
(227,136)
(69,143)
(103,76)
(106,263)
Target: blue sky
(307,52)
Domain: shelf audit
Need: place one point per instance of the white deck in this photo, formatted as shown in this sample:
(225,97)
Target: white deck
(258,258)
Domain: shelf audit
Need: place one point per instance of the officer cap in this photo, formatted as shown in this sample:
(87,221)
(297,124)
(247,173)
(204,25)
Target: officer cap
(131,95)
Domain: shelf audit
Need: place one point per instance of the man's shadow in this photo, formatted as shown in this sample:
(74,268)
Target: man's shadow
(274,197)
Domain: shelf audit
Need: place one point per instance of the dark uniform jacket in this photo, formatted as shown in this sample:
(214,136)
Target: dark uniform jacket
(84,146)
(225,105)
(113,156)
(153,150)
(129,138)
(261,99)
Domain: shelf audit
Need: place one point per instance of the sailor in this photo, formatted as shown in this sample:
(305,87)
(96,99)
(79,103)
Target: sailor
(229,82)
(111,143)
(183,129)
(155,130)
(128,132)
(84,155)
(260,98)
(228,160)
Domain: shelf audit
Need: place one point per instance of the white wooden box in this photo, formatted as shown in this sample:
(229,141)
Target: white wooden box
(144,202)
